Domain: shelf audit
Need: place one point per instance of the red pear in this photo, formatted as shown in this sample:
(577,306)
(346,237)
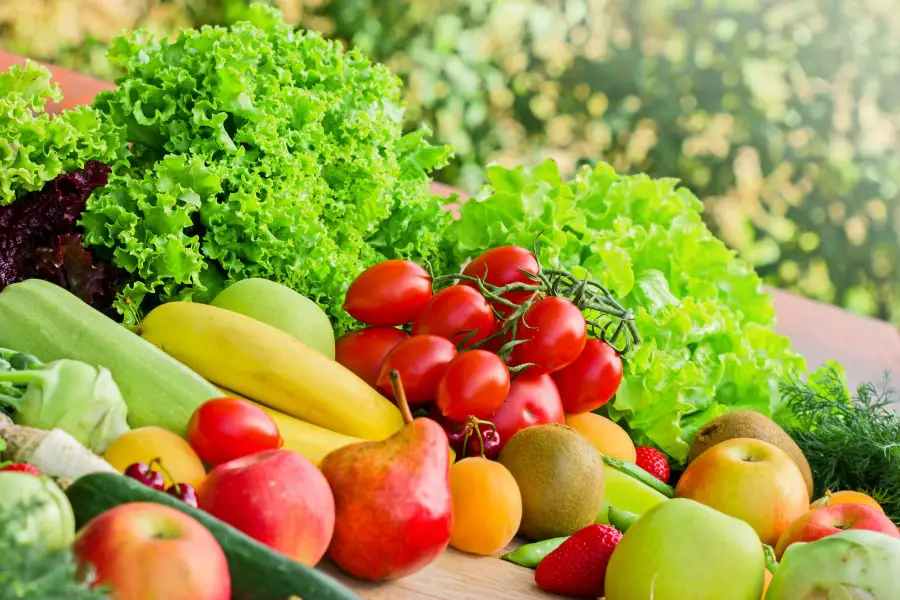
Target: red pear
(392,499)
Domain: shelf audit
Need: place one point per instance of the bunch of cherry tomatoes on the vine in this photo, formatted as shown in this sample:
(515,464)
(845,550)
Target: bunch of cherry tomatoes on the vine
(505,346)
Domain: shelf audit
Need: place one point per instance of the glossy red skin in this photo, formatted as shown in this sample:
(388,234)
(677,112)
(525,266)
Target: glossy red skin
(828,520)
(277,497)
(532,400)
(224,429)
(389,293)
(455,310)
(143,473)
(362,351)
(147,550)
(554,336)
(421,361)
(500,266)
(394,512)
(592,380)
(184,492)
(475,383)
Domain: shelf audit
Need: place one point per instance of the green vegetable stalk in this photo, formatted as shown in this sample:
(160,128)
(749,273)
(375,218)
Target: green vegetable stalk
(64,394)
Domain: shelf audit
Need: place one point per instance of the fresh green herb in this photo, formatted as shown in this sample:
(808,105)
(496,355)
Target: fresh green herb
(851,442)
(30,572)
(259,151)
(705,319)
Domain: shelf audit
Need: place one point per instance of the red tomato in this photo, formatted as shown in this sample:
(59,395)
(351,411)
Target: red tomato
(500,266)
(475,383)
(555,331)
(592,380)
(390,293)
(224,429)
(421,361)
(362,351)
(454,313)
(532,400)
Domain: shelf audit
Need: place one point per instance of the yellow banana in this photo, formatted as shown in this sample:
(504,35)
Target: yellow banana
(272,367)
(311,441)
(304,438)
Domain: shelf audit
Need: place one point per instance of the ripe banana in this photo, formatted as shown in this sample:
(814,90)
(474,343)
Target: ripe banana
(272,367)
(308,440)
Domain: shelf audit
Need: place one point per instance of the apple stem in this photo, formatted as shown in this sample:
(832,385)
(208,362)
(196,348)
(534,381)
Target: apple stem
(400,395)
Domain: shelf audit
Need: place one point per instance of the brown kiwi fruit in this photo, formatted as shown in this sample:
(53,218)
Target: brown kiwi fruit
(750,424)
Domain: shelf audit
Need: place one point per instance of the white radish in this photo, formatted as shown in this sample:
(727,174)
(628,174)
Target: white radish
(54,453)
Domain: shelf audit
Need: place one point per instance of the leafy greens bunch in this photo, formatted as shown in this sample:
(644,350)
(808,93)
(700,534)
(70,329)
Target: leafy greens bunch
(258,151)
(35,148)
(708,347)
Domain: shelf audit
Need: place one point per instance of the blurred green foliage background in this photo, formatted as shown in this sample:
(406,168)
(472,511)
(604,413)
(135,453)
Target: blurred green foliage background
(782,115)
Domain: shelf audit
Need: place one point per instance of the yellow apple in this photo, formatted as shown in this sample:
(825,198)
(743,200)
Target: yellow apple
(750,480)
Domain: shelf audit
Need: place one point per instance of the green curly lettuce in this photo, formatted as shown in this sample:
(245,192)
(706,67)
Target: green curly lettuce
(708,347)
(259,151)
(34,147)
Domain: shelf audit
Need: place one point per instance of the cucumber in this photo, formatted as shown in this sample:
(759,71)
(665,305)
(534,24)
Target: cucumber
(40,318)
(257,571)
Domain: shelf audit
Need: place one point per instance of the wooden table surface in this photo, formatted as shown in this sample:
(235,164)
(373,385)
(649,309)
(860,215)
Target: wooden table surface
(866,347)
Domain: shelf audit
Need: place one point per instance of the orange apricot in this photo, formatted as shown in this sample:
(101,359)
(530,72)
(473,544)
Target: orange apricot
(846,497)
(487,506)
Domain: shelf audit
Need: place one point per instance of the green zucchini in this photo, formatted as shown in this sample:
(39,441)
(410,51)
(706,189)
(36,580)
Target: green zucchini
(257,571)
(40,318)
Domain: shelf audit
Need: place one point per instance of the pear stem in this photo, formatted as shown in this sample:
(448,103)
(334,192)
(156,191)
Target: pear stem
(400,396)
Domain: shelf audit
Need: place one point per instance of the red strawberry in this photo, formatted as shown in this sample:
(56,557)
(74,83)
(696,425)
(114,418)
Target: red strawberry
(654,462)
(22,468)
(578,566)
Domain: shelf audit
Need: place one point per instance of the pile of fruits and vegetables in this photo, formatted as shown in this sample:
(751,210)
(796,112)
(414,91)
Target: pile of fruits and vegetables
(239,337)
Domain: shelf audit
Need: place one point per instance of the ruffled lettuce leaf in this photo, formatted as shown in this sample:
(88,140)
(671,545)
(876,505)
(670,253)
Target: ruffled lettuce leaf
(36,148)
(706,320)
(259,151)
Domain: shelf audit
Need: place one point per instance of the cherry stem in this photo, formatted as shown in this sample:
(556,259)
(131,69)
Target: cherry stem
(400,396)
(472,423)
(158,462)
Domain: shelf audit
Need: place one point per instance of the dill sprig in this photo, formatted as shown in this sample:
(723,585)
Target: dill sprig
(851,442)
(30,572)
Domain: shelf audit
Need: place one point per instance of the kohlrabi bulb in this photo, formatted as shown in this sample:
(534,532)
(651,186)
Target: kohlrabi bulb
(36,510)
(851,565)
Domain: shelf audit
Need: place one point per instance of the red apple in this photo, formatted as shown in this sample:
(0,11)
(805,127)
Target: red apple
(147,551)
(832,519)
(277,497)
(751,480)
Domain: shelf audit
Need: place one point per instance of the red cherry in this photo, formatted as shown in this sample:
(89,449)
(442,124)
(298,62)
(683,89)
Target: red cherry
(143,473)
(184,492)
(491,442)
(456,435)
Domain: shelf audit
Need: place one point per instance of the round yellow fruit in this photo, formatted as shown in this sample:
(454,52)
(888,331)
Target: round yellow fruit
(147,443)
(847,497)
(487,506)
(606,436)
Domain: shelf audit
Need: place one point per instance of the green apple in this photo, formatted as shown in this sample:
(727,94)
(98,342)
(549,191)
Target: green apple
(282,308)
(851,565)
(626,493)
(683,550)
